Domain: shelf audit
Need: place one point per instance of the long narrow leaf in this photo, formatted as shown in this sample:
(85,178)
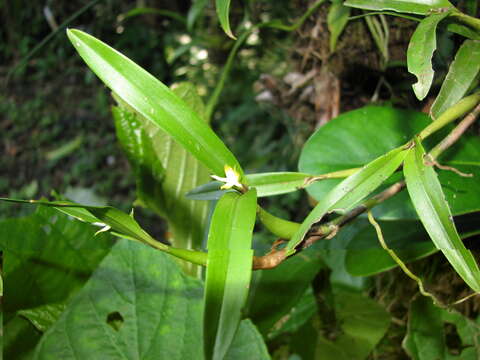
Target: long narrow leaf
(350,191)
(420,51)
(421,7)
(155,101)
(429,201)
(461,74)
(223,9)
(229,270)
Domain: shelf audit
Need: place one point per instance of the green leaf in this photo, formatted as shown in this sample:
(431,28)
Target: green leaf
(350,191)
(366,257)
(420,52)
(369,132)
(266,184)
(421,7)
(425,339)
(229,269)
(223,9)
(461,74)
(363,324)
(268,301)
(44,316)
(20,338)
(138,305)
(337,18)
(165,171)
(429,201)
(153,100)
(46,258)
(297,316)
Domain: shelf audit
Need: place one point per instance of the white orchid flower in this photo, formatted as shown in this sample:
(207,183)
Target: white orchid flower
(231,178)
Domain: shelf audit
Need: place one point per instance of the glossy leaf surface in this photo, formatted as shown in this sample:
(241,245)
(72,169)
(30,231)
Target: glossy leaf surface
(155,101)
(229,269)
(138,305)
(421,7)
(350,191)
(429,201)
(165,171)
(461,74)
(420,52)
(357,137)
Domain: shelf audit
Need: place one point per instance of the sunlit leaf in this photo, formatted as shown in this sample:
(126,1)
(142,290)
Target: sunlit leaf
(429,201)
(420,51)
(422,7)
(229,270)
(165,171)
(461,74)
(153,100)
(350,191)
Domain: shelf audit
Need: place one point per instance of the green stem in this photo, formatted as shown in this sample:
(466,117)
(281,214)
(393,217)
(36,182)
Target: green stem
(275,24)
(284,229)
(468,20)
(458,110)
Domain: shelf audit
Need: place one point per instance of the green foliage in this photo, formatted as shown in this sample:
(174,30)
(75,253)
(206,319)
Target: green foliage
(138,303)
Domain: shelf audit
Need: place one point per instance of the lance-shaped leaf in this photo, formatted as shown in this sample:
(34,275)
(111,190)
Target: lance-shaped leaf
(429,201)
(229,269)
(155,101)
(420,51)
(336,20)
(461,74)
(118,223)
(223,9)
(421,7)
(165,171)
(350,191)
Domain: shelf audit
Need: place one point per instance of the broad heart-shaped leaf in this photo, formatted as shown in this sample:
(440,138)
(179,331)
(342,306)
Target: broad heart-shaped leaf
(223,9)
(420,51)
(461,74)
(155,101)
(357,137)
(165,171)
(350,191)
(421,7)
(229,269)
(427,197)
(138,305)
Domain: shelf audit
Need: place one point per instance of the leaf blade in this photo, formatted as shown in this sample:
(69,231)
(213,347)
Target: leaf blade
(428,199)
(420,51)
(223,9)
(153,100)
(350,191)
(461,74)
(229,270)
(406,6)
